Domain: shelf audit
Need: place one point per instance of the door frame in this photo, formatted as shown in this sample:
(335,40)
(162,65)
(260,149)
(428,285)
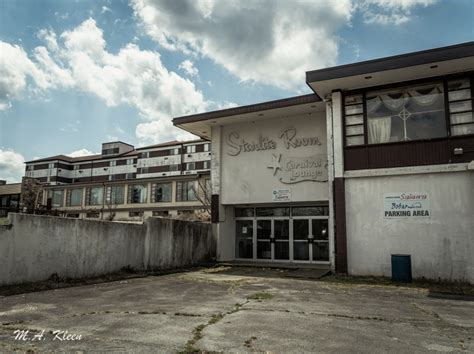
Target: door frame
(290,240)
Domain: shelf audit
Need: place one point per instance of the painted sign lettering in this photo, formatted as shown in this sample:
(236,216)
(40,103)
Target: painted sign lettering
(406,205)
(298,169)
(288,137)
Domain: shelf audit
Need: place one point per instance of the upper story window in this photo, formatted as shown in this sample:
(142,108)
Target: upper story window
(191,149)
(76,167)
(404,114)
(410,113)
(174,167)
(190,166)
(145,155)
(207,147)
(174,151)
(51,165)
(206,165)
(129,161)
(113,163)
(460,107)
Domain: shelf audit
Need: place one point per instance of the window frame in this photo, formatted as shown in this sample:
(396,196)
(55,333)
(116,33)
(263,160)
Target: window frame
(157,185)
(442,79)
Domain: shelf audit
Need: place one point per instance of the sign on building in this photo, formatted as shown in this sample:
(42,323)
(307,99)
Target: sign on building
(406,205)
(281,195)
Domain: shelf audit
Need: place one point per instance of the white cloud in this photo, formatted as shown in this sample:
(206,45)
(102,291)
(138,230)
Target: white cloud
(105,9)
(271,42)
(81,152)
(188,67)
(78,59)
(12,166)
(390,12)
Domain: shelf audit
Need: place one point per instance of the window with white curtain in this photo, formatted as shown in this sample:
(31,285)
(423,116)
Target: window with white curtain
(405,114)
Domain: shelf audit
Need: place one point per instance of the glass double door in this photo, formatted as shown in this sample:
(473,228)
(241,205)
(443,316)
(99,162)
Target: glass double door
(301,239)
(310,239)
(273,239)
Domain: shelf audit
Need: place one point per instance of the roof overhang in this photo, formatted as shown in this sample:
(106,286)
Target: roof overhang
(406,67)
(201,124)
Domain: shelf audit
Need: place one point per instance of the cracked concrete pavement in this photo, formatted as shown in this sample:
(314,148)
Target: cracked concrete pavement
(240,310)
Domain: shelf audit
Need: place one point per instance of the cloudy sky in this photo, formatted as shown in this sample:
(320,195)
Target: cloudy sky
(74,74)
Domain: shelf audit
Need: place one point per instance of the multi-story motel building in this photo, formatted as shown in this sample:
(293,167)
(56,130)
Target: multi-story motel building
(167,179)
(378,161)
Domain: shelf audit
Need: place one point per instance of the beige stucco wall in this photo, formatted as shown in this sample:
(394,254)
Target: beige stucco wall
(251,176)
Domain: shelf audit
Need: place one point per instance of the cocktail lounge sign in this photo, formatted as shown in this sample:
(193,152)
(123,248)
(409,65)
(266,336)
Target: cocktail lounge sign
(288,169)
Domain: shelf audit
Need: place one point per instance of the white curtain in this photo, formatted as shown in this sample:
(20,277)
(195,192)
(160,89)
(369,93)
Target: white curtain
(379,130)
(423,98)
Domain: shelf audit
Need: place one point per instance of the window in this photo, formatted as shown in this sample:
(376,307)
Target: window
(95,195)
(144,170)
(191,149)
(208,187)
(113,163)
(460,107)
(161,192)
(186,191)
(410,113)
(129,161)
(129,176)
(174,151)
(162,213)
(115,195)
(110,151)
(145,155)
(134,214)
(76,167)
(92,214)
(190,166)
(207,147)
(56,197)
(75,215)
(354,120)
(74,197)
(14,200)
(405,114)
(51,165)
(137,193)
(206,165)
(174,167)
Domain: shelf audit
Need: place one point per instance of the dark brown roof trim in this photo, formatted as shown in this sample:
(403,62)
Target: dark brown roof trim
(394,62)
(286,102)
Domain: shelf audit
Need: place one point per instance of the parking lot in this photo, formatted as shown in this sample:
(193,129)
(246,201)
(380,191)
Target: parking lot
(238,309)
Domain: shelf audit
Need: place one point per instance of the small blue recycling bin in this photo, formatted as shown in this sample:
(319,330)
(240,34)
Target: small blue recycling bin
(401,268)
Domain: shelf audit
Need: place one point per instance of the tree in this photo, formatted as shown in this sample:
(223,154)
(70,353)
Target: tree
(31,195)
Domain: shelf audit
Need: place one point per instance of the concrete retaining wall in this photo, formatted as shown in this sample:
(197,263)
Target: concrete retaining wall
(34,247)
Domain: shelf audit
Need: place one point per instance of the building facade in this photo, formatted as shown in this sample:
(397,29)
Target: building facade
(9,197)
(378,161)
(124,183)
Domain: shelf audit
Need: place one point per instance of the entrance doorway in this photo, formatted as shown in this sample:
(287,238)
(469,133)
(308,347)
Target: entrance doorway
(291,234)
